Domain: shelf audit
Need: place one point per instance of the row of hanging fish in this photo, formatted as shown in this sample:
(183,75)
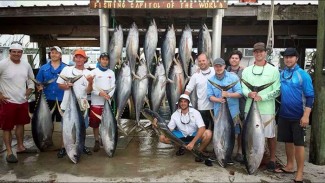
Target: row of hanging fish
(146,76)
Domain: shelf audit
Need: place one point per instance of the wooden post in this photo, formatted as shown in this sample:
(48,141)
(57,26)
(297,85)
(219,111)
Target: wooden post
(317,144)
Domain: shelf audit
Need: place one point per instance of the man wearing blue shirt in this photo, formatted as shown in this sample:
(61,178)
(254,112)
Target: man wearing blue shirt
(51,71)
(224,78)
(297,98)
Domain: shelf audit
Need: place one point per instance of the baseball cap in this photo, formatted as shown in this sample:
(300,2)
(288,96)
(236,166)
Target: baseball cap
(290,52)
(58,49)
(259,46)
(80,52)
(16,46)
(219,61)
(105,54)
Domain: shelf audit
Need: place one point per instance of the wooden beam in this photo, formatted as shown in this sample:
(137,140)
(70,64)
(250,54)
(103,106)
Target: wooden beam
(72,43)
(46,11)
(93,30)
(317,145)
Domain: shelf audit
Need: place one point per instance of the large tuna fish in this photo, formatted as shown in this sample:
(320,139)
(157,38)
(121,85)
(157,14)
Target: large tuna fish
(108,129)
(164,130)
(205,43)
(224,130)
(132,47)
(42,124)
(168,48)
(123,88)
(150,44)
(185,49)
(157,87)
(176,88)
(253,140)
(115,47)
(140,89)
(74,128)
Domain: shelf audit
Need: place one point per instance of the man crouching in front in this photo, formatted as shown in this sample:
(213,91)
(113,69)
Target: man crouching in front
(186,123)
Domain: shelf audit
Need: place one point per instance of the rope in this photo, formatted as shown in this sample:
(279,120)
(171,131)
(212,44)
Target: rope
(270,36)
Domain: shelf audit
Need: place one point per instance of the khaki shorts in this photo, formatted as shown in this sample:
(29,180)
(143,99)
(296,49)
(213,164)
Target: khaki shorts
(269,121)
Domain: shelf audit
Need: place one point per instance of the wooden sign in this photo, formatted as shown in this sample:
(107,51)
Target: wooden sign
(158,4)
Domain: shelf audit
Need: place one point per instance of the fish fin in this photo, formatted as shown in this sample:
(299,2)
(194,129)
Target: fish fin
(151,76)
(146,100)
(135,76)
(74,132)
(97,116)
(223,88)
(30,114)
(76,78)
(269,121)
(63,77)
(35,81)
(53,109)
(49,81)
(169,81)
(59,108)
(256,88)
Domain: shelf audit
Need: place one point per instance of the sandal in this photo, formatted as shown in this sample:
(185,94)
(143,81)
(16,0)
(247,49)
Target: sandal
(282,170)
(87,151)
(181,151)
(11,158)
(270,166)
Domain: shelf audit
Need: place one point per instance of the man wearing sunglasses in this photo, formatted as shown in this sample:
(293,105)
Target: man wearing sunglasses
(14,93)
(297,98)
(187,124)
(258,74)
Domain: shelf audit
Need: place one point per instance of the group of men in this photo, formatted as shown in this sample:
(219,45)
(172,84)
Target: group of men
(14,74)
(297,96)
(191,125)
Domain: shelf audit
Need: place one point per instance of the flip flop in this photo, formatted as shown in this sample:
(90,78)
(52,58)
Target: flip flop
(27,151)
(282,170)
(11,159)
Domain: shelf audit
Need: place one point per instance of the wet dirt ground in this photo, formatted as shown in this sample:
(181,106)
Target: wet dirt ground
(139,158)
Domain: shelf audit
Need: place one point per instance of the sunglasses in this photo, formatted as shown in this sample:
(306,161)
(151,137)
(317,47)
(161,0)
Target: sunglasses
(257,74)
(287,78)
(104,55)
(185,122)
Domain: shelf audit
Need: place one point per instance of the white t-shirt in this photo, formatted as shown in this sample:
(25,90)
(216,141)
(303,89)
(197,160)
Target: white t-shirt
(192,121)
(79,86)
(104,80)
(13,80)
(199,81)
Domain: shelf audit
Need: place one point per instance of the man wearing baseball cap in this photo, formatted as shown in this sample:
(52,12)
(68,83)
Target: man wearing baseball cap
(187,124)
(297,98)
(104,80)
(258,74)
(224,78)
(14,74)
(81,87)
(47,73)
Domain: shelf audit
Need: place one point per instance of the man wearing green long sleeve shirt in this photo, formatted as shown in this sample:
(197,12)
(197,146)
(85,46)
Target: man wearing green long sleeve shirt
(259,74)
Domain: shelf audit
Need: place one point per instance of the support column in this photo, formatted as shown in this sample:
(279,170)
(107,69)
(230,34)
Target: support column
(217,32)
(42,54)
(317,139)
(103,28)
